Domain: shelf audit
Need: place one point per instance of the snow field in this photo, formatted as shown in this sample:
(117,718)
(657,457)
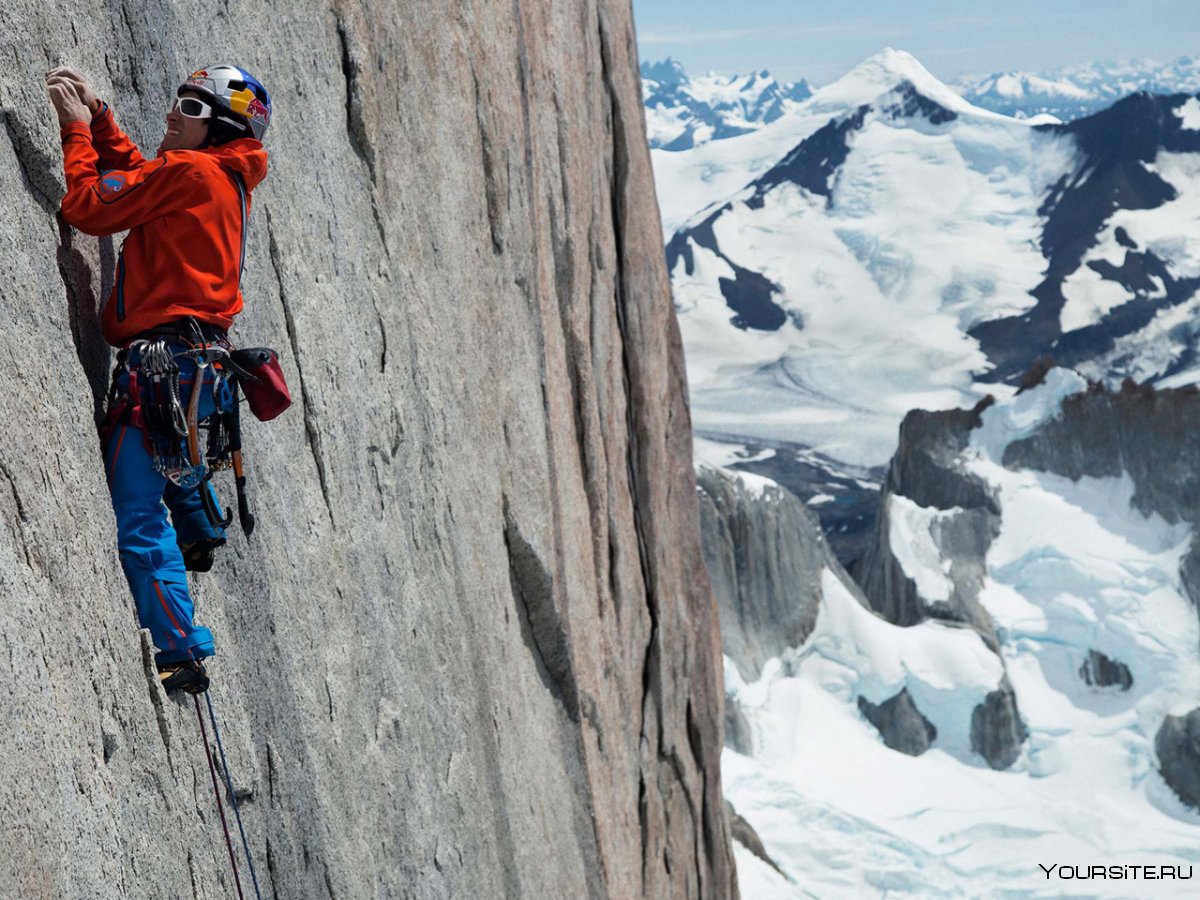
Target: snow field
(1074,568)
(884,300)
(879,303)
(1189,114)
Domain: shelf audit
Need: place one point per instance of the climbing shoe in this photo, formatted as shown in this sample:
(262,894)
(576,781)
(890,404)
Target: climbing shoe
(188,675)
(198,556)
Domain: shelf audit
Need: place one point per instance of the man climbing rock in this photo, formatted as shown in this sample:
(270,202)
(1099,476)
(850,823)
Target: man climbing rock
(174,300)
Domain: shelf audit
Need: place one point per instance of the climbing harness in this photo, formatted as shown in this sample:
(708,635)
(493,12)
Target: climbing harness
(145,393)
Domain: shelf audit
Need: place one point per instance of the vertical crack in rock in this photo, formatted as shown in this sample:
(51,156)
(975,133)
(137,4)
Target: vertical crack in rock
(706,832)
(156,694)
(357,131)
(356,127)
(383,350)
(579,353)
(36,168)
(491,188)
(523,79)
(22,517)
(192,875)
(133,42)
(37,175)
(16,495)
(310,423)
(272,872)
(541,626)
(650,658)
(90,346)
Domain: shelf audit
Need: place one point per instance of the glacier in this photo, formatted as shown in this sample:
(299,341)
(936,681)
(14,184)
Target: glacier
(1076,570)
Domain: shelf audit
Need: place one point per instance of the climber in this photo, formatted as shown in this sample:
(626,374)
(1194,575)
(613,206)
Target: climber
(177,290)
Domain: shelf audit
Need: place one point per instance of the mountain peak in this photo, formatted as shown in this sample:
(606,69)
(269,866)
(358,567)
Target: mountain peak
(883,72)
(668,72)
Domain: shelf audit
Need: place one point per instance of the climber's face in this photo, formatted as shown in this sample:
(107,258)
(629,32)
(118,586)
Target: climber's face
(187,122)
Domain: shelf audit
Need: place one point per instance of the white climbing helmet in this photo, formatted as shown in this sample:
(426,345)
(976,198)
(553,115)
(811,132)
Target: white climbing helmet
(234,91)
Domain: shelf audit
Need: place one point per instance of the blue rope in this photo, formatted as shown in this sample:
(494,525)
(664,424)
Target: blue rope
(232,796)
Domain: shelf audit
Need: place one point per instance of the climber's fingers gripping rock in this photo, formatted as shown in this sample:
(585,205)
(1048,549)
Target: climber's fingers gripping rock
(82,88)
(66,102)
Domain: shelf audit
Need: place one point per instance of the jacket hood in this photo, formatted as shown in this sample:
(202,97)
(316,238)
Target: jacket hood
(245,156)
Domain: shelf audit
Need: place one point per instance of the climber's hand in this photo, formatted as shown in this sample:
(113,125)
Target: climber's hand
(67,104)
(82,88)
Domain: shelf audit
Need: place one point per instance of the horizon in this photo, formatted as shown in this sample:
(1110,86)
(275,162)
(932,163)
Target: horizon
(691,72)
(821,40)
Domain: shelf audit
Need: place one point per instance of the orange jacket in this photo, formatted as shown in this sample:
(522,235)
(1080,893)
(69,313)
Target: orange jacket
(183,254)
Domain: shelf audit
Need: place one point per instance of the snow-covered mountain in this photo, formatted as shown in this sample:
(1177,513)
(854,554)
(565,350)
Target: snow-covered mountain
(1077,91)
(1017,683)
(683,112)
(890,246)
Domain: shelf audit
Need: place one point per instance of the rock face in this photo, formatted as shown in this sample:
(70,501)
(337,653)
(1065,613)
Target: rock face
(1178,748)
(900,723)
(997,731)
(927,475)
(1102,671)
(926,471)
(1097,433)
(764,553)
(471,650)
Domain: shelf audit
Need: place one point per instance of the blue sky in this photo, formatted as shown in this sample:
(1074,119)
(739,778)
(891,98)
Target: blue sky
(821,39)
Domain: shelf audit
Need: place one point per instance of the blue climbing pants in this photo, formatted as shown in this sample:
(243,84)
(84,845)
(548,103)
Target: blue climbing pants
(148,542)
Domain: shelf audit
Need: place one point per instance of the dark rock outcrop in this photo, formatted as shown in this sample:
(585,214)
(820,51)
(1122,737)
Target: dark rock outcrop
(847,496)
(738,735)
(1178,747)
(900,723)
(997,731)
(470,650)
(764,553)
(1101,671)
(928,471)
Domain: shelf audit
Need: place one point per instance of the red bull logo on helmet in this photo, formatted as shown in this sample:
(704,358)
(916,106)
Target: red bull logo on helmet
(200,79)
(257,110)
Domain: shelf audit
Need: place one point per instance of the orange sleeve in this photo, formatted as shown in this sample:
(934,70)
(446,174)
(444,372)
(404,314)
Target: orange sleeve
(113,146)
(118,200)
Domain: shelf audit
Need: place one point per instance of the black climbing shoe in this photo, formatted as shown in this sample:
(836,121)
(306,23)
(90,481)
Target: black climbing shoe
(198,556)
(188,676)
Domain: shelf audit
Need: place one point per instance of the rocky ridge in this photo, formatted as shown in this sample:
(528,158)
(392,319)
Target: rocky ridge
(1098,433)
(470,650)
(764,553)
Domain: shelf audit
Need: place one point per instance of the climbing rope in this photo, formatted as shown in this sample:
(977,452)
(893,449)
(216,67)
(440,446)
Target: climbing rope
(212,770)
(212,717)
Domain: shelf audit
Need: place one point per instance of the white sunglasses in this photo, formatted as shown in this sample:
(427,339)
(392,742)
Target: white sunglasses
(192,108)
